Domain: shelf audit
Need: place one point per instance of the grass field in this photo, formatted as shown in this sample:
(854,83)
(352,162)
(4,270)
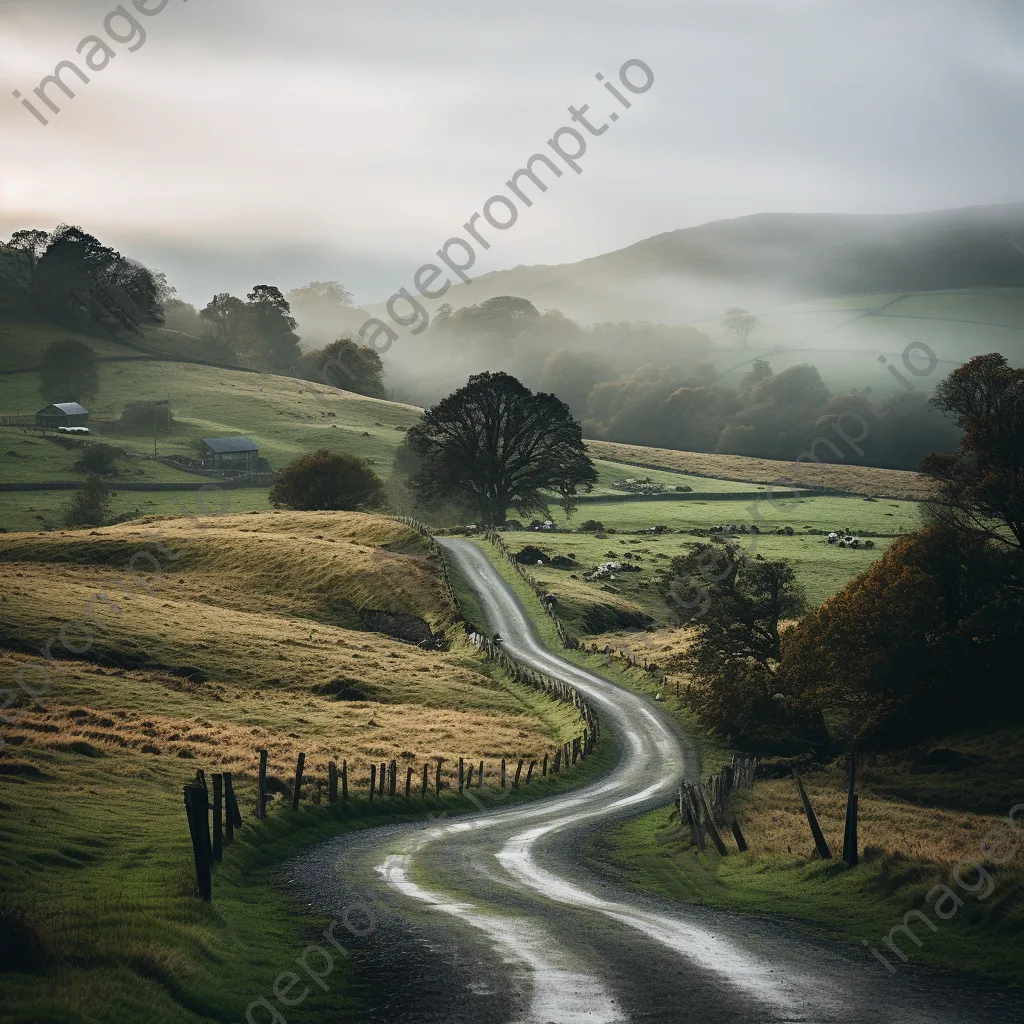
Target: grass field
(44,510)
(862,480)
(234,633)
(882,517)
(605,605)
(283,415)
(610,472)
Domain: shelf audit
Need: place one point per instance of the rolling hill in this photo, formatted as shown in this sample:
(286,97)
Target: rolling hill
(772,259)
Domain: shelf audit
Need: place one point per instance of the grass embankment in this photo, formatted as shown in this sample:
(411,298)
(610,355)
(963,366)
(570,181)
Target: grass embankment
(256,633)
(918,822)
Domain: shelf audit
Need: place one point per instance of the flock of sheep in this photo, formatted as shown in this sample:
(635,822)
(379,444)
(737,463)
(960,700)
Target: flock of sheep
(846,541)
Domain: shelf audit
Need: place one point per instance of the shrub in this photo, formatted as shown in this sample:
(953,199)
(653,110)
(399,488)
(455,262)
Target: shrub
(98,458)
(591,526)
(326,481)
(89,505)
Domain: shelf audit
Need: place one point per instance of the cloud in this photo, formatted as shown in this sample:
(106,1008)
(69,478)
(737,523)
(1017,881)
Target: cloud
(274,135)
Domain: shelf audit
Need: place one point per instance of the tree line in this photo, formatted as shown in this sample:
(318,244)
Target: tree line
(70,278)
(656,385)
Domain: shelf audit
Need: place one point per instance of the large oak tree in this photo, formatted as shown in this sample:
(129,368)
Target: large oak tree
(496,445)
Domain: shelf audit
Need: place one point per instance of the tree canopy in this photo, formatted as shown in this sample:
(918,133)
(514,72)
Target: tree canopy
(741,323)
(573,375)
(896,656)
(259,331)
(497,445)
(68,372)
(328,481)
(71,278)
(346,365)
(981,484)
(735,605)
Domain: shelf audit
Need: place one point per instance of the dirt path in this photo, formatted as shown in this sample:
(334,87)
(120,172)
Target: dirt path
(493,918)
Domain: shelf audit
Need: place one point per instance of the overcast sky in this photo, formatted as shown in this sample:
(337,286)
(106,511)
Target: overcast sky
(257,141)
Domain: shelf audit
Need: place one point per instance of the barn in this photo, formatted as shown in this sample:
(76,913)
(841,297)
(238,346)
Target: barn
(237,454)
(62,414)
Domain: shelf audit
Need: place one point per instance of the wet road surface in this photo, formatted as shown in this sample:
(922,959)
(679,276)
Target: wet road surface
(492,917)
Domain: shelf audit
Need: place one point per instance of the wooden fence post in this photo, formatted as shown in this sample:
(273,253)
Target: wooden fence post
(558,762)
(234,816)
(297,790)
(196,809)
(480,776)
(741,843)
(819,838)
(696,829)
(423,792)
(261,787)
(519,772)
(544,770)
(332,782)
(392,778)
(503,773)
(529,772)
(381,778)
(469,778)
(218,817)
(462,774)
(373,781)
(437,778)
(850,854)
(344,781)
(709,824)
(408,781)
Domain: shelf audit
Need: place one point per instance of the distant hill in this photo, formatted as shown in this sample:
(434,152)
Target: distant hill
(773,259)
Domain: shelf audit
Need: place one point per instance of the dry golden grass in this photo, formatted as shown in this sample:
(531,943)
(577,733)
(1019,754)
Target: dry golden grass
(774,823)
(232,646)
(244,649)
(312,564)
(864,480)
(104,712)
(662,647)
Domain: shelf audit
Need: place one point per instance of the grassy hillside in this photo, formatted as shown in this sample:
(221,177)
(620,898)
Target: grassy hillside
(284,416)
(765,260)
(864,480)
(328,634)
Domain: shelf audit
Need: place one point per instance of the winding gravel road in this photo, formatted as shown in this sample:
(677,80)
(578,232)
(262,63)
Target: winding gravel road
(491,917)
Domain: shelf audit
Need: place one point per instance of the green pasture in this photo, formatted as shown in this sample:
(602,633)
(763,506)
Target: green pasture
(284,416)
(43,510)
(609,473)
(823,569)
(880,516)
